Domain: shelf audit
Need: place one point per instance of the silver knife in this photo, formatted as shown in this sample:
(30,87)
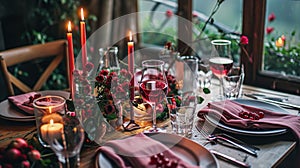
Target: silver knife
(230,159)
(248,150)
(273,101)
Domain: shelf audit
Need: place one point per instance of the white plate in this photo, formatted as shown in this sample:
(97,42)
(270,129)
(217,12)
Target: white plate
(254,103)
(186,149)
(10,112)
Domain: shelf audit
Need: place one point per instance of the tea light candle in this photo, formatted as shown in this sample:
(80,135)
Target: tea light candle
(51,131)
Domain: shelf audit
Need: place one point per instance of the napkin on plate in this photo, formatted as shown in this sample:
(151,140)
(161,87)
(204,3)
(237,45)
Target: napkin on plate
(138,150)
(24,101)
(228,111)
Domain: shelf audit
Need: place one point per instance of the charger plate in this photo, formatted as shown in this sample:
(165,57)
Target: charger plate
(186,149)
(259,132)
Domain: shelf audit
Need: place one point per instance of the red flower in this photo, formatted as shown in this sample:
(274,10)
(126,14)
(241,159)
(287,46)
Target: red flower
(100,78)
(195,15)
(270,30)
(271,17)
(113,74)
(109,109)
(104,72)
(244,40)
(169,13)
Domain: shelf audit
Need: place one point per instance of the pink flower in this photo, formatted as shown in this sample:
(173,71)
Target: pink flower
(169,13)
(244,40)
(271,17)
(89,66)
(123,72)
(76,73)
(269,30)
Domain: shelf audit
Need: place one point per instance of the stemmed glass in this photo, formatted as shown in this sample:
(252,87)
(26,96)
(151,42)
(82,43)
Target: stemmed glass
(220,61)
(67,143)
(153,86)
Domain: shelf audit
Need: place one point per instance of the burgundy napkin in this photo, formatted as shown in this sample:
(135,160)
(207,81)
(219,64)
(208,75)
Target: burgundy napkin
(137,151)
(229,113)
(24,101)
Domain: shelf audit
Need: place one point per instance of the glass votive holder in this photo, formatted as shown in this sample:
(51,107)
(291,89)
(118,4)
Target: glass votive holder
(49,111)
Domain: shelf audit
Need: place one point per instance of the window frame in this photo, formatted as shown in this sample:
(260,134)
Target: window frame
(253,26)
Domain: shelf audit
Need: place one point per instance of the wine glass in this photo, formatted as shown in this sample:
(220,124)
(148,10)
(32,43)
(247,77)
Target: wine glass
(153,86)
(67,142)
(220,61)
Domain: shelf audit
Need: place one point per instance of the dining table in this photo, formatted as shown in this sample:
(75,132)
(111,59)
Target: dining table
(275,149)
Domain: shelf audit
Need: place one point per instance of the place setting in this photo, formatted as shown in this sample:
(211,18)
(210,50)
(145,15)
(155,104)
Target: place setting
(229,112)
(20,108)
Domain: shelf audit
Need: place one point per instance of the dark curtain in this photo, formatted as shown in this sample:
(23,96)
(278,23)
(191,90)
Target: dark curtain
(113,23)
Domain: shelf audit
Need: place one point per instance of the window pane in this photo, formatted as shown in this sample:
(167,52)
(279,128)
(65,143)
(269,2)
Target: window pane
(226,22)
(282,47)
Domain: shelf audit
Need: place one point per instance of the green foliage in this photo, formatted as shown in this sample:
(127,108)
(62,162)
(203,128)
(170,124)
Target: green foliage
(47,21)
(284,60)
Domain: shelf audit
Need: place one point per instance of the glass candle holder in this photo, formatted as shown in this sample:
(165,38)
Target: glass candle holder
(49,111)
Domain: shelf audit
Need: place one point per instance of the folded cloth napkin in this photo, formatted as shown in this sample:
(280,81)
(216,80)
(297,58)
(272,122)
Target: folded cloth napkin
(231,113)
(24,101)
(138,151)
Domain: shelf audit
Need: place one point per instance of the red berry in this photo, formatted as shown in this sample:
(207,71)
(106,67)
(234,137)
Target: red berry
(153,159)
(246,116)
(25,164)
(161,155)
(34,155)
(256,117)
(241,114)
(166,160)
(261,114)
(18,143)
(13,154)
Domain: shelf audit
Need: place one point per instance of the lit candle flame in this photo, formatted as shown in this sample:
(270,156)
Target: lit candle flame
(51,122)
(50,110)
(82,14)
(69,26)
(130,36)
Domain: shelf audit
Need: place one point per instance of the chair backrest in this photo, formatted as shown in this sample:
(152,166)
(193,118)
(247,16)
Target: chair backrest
(55,50)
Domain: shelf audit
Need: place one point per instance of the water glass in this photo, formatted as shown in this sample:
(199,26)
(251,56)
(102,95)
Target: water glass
(232,83)
(68,144)
(49,111)
(182,117)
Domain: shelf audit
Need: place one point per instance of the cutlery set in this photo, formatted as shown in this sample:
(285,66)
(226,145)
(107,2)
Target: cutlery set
(227,139)
(281,101)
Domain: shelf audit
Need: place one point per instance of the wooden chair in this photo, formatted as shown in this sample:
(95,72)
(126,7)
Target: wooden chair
(56,50)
